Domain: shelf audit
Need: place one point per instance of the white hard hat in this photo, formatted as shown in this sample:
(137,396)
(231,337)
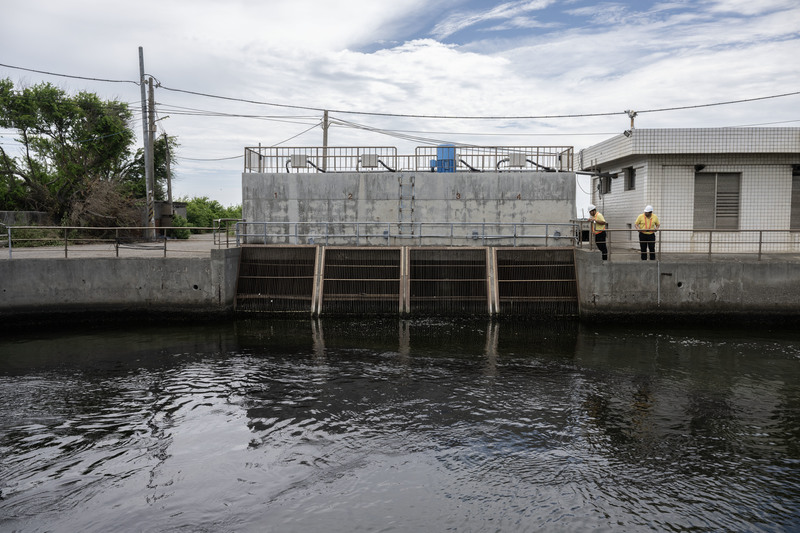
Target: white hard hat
(592,207)
(648,209)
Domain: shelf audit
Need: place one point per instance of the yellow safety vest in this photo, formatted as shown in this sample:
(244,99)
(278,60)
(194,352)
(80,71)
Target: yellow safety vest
(599,223)
(644,224)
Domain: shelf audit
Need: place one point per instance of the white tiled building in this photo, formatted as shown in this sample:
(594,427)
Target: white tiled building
(735,181)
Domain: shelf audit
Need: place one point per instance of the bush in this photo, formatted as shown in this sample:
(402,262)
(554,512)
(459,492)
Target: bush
(201,212)
(179,222)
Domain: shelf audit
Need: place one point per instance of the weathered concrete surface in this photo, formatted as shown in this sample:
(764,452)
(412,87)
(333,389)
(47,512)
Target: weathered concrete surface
(476,197)
(687,288)
(630,291)
(177,285)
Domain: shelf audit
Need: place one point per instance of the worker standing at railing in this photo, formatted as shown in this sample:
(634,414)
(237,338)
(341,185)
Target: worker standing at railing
(647,224)
(599,230)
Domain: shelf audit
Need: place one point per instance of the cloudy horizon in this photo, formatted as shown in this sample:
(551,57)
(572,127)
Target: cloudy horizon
(267,69)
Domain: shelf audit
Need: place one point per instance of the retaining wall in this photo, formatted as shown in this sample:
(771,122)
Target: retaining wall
(745,289)
(30,287)
(720,289)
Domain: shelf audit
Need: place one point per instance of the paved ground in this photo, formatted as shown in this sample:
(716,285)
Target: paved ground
(194,246)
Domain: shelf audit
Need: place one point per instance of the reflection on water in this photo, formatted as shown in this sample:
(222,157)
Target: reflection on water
(393,425)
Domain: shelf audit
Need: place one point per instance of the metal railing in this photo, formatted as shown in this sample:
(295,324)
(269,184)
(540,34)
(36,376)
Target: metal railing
(401,234)
(704,243)
(59,241)
(314,159)
(76,241)
(225,228)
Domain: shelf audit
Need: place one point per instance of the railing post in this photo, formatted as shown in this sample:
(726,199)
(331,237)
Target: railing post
(116,242)
(546,235)
(760,240)
(65,243)
(659,247)
(515,235)
(9,242)
(164,234)
(710,238)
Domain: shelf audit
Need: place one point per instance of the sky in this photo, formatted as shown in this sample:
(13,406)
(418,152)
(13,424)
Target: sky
(245,73)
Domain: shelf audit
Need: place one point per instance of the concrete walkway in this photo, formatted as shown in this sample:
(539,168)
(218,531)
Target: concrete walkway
(199,245)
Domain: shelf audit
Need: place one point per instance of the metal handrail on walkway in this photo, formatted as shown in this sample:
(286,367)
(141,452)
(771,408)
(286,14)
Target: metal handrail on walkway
(411,233)
(44,240)
(706,243)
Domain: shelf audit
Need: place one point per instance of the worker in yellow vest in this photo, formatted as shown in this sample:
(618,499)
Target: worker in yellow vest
(647,224)
(599,230)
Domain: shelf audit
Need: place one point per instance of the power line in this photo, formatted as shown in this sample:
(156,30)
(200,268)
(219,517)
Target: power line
(68,75)
(419,116)
(469,117)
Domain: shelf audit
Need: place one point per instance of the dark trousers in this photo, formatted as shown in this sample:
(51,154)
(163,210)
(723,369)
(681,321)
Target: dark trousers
(600,241)
(648,241)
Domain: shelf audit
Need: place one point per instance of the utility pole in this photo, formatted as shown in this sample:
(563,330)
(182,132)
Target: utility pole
(151,207)
(148,151)
(169,178)
(325,125)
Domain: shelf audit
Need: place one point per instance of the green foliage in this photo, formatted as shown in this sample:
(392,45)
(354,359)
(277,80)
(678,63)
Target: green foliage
(134,180)
(179,222)
(201,212)
(69,144)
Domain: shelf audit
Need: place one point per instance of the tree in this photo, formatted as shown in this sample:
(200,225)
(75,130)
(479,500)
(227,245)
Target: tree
(134,180)
(75,152)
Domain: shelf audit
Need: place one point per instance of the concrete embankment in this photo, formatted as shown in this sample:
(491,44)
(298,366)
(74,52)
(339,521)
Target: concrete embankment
(629,291)
(689,289)
(33,289)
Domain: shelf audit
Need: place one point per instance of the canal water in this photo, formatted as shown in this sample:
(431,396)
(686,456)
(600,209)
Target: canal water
(399,425)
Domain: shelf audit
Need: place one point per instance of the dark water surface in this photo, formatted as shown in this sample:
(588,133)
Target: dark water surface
(390,425)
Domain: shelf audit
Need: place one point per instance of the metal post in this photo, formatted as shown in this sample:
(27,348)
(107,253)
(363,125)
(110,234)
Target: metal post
(760,238)
(325,125)
(710,235)
(65,243)
(116,242)
(9,242)
(659,244)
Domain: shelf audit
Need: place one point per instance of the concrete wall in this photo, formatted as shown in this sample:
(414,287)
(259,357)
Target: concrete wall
(91,285)
(508,197)
(686,289)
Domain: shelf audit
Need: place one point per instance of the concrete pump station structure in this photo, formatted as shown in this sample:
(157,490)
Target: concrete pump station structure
(456,230)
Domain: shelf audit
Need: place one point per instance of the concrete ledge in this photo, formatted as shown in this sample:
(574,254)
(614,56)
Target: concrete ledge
(171,286)
(680,289)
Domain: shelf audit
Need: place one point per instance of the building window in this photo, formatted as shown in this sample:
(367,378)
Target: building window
(716,200)
(794,223)
(605,185)
(630,179)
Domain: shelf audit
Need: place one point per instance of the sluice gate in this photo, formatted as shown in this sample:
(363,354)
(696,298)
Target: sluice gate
(327,280)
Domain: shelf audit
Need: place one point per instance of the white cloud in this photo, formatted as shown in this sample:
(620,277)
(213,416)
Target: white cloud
(533,58)
(507,11)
